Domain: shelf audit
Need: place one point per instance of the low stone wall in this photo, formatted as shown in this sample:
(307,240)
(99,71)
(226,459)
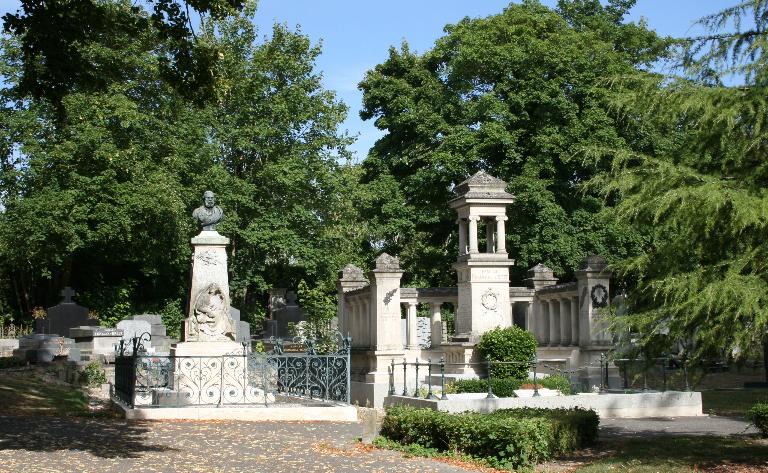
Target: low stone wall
(656,404)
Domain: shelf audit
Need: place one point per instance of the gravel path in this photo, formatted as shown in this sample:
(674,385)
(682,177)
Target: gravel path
(60,444)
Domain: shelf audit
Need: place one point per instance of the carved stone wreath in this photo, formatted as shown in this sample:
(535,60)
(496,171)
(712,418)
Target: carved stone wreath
(599,295)
(489,300)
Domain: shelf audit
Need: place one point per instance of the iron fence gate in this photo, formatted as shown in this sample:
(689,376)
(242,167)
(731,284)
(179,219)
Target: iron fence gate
(146,380)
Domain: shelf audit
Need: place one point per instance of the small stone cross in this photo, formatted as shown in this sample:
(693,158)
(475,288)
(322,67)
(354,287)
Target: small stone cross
(67,294)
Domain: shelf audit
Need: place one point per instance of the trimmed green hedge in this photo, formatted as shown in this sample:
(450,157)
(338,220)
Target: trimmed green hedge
(758,415)
(509,438)
(511,344)
(501,387)
(505,387)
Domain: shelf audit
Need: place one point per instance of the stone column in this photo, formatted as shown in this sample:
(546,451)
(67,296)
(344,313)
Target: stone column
(413,342)
(593,282)
(383,314)
(367,324)
(350,278)
(489,231)
(462,236)
(354,322)
(529,318)
(436,325)
(574,320)
(554,323)
(565,322)
(544,323)
(501,236)
(473,233)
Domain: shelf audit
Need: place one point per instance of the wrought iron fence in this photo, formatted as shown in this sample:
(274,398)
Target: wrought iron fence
(428,379)
(146,380)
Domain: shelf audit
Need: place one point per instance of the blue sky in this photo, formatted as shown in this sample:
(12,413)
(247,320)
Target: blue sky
(356,34)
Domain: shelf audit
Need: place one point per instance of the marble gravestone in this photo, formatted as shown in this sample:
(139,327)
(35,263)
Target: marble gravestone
(66,315)
(242,328)
(423,332)
(134,328)
(96,343)
(284,311)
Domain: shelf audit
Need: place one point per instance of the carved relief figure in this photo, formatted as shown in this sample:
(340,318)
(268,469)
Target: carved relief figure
(210,320)
(209,214)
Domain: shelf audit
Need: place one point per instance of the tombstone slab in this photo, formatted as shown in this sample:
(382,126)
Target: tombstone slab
(97,342)
(133,328)
(66,315)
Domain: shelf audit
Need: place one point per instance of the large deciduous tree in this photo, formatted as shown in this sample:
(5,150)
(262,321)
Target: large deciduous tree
(703,279)
(97,181)
(518,94)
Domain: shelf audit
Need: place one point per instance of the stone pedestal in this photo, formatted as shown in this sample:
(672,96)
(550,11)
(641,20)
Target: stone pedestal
(208,317)
(483,282)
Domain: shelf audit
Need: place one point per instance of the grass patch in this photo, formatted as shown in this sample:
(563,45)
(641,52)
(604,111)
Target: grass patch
(683,454)
(26,393)
(731,402)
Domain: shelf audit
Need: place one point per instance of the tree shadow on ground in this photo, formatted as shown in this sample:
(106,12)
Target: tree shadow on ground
(106,438)
(682,453)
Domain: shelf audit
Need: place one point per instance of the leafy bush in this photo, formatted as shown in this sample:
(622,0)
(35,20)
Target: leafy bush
(505,387)
(93,374)
(510,438)
(501,387)
(508,344)
(173,317)
(557,381)
(572,429)
(758,415)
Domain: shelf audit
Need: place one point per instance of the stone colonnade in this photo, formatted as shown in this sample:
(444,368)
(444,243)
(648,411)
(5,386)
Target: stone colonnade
(558,321)
(435,320)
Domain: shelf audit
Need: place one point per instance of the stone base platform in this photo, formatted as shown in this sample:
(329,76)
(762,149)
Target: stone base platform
(248,414)
(616,406)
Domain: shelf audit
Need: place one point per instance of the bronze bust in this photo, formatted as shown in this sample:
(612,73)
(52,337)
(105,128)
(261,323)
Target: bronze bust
(209,214)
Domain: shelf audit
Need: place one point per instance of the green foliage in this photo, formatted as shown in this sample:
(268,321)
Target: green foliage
(503,387)
(114,302)
(173,318)
(515,94)
(758,415)
(102,161)
(508,439)
(558,382)
(508,344)
(93,374)
(700,278)
(317,304)
(71,55)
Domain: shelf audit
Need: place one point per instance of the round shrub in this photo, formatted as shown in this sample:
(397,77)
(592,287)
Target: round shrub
(93,374)
(508,344)
(558,382)
(758,415)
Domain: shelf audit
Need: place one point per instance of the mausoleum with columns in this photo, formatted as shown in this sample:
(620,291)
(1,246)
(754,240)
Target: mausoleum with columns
(564,318)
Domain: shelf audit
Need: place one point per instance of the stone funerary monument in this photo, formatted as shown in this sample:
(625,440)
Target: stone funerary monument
(564,318)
